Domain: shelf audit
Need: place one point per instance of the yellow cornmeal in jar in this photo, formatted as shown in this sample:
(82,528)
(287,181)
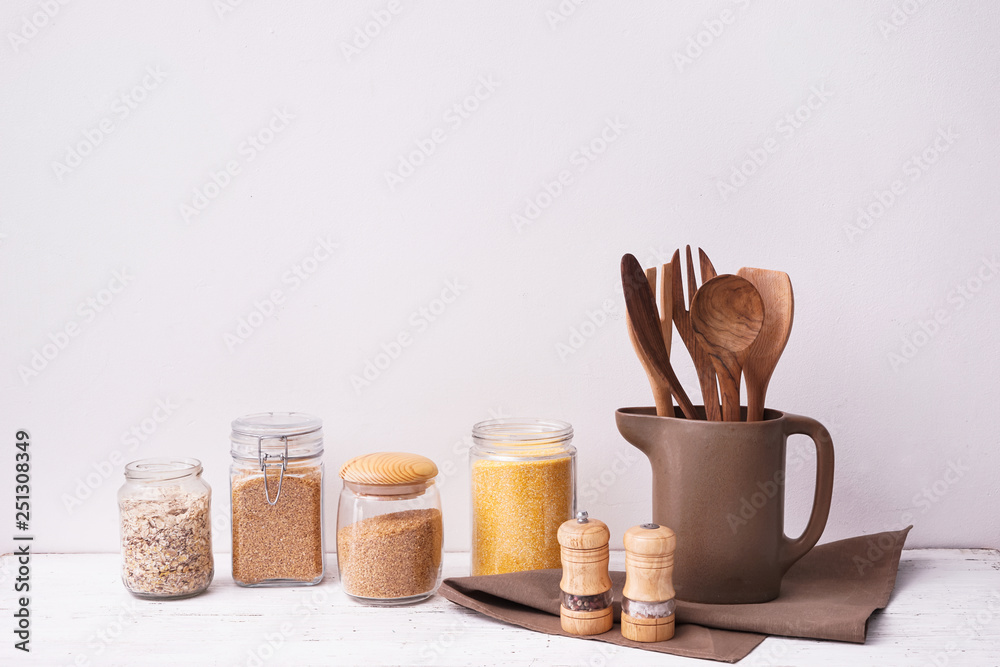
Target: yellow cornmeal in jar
(517,508)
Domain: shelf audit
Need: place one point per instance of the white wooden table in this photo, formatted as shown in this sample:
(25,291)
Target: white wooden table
(945,611)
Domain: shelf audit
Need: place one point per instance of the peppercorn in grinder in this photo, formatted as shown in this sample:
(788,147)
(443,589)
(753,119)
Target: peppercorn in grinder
(648,596)
(585,585)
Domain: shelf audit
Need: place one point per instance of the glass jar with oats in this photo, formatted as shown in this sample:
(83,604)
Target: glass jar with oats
(523,489)
(276,484)
(166,529)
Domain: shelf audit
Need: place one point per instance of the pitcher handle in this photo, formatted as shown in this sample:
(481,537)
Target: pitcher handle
(792,550)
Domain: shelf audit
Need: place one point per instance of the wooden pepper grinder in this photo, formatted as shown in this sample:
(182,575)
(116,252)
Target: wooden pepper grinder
(648,596)
(586,586)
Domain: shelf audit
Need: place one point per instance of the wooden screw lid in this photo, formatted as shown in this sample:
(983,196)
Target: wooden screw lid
(650,539)
(388,468)
(583,533)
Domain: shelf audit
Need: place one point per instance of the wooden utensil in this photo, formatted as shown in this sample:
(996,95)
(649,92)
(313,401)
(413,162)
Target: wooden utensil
(666,303)
(682,320)
(779,307)
(727,315)
(707,270)
(641,308)
(661,395)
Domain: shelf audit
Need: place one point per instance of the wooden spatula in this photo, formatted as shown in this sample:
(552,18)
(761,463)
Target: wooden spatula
(662,397)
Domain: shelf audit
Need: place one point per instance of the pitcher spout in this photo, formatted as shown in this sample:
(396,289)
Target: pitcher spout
(640,428)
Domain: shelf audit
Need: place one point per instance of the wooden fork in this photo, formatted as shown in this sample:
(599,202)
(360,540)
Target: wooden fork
(682,320)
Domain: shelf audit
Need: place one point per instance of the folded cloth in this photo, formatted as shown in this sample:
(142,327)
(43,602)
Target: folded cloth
(829,594)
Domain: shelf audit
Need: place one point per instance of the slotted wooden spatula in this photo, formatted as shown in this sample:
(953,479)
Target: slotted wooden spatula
(682,320)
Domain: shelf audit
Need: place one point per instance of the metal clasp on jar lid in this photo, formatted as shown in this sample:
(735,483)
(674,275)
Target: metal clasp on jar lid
(263,457)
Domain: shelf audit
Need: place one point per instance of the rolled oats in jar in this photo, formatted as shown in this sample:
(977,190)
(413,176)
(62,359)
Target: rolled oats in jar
(166,528)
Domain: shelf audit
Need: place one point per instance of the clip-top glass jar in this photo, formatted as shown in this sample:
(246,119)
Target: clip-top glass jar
(390,535)
(166,528)
(523,489)
(276,483)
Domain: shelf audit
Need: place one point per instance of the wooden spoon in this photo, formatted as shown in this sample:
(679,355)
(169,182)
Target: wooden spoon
(641,307)
(779,307)
(726,315)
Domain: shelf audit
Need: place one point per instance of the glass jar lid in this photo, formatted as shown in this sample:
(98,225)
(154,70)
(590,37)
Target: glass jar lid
(389,473)
(287,435)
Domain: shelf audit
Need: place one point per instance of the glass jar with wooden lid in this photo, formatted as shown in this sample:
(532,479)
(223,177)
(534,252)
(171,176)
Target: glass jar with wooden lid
(276,482)
(390,535)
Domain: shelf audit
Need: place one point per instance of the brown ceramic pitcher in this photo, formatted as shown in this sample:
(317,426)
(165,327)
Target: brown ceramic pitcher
(720,486)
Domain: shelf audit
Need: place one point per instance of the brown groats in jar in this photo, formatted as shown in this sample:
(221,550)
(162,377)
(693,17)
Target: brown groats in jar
(390,533)
(395,555)
(166,529)
(276,487)
(279,541)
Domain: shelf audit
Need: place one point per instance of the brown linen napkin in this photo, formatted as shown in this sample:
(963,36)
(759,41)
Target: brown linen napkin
(829,594)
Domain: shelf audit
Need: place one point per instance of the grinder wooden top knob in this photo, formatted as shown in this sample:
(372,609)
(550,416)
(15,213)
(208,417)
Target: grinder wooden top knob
(583,533)
(586,587)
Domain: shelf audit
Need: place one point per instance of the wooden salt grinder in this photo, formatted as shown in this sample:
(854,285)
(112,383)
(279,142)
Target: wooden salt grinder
(648,596)
(586,586)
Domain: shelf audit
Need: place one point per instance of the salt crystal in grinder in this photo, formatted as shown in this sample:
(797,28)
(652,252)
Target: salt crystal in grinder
(648,596)
(586,586)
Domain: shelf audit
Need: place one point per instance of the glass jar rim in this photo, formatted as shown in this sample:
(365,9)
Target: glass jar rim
(162,469)
(523,431)
(523,437)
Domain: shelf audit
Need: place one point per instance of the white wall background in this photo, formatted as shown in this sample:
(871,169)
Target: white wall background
(892,75)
